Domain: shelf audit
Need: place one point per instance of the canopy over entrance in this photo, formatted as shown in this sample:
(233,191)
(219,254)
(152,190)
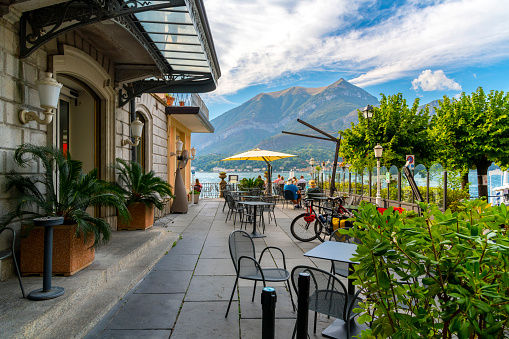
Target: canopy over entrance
(262,155)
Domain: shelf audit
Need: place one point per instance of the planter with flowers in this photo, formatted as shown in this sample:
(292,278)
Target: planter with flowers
(169,99)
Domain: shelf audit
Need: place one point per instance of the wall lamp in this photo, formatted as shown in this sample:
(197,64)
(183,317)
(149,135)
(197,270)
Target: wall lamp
(179,145)
(49,91)
(136,132)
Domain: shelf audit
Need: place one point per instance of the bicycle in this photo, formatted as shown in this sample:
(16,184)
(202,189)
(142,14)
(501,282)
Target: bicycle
(311,225)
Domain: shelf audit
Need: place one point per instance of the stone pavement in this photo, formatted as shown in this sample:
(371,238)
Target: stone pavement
(186,294)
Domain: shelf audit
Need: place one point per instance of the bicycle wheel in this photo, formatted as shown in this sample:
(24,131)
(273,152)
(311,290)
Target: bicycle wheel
(318,231)
(303,230)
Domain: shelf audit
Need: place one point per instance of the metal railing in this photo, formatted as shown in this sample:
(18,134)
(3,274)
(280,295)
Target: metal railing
(212,189)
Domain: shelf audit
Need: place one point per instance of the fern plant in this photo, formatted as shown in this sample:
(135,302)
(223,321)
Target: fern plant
(141,187)
(62,190)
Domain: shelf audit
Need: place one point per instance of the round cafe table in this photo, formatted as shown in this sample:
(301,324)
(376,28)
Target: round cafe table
(255,204)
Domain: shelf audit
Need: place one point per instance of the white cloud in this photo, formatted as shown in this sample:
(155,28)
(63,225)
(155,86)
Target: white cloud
(434,81)
(261,41)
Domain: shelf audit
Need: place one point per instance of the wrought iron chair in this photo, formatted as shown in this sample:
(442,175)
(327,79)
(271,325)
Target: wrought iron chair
(288,195)
(328,295)
(225,193)
(269,209)
(10,253)
(233,210)
(242,252)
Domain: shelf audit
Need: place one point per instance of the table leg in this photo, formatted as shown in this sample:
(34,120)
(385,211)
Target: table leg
(255,234)
(47,291)
(351,287)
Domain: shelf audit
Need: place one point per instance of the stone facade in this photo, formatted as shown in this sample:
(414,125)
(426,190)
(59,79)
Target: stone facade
(73,58)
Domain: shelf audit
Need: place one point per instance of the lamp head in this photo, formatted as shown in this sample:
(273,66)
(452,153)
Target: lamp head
(367,112)
(378,151)
(136,128)
(179,145)
(312,161)
(193,153)
(49,92)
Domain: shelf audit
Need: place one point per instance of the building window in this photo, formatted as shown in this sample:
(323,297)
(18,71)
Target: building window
(140,149)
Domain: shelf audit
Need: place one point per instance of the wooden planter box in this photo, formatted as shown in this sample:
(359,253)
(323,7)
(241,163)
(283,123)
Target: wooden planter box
(70,253)
(142,217)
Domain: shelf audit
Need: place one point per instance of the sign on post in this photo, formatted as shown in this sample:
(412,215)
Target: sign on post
(410,159)
(388,178)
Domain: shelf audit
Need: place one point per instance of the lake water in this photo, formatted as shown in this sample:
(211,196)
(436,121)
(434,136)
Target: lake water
(211,177)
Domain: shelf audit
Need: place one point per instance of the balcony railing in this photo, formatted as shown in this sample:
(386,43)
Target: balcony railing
(190,99)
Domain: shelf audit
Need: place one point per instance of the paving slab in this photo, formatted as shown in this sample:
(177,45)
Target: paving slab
(211,288)
(157,282)
(148,312)
(135,334)
(205,320)
(215,267)
(177,262)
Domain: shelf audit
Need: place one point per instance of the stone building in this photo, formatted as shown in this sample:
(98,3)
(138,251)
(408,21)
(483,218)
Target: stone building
(112,57)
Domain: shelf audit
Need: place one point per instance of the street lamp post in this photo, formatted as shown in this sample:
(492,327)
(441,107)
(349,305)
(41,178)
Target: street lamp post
(312,163)
(378,154)
(367,112)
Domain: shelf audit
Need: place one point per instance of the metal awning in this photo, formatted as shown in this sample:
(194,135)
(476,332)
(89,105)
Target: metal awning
(192,117)
(174,33)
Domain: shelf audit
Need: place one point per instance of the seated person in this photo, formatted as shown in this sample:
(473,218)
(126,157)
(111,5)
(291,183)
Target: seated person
(197,186)
(312,189)
(278,179)
(296,193)
(301,180)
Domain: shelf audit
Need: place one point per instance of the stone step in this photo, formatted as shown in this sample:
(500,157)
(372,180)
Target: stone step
(90,293)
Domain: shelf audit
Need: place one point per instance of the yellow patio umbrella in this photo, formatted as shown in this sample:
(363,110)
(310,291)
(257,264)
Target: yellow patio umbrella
(261,155)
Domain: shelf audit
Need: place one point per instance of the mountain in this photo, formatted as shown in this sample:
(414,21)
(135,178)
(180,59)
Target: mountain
(259,121)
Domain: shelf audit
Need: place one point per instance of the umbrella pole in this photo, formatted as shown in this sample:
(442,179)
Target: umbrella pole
(269,177)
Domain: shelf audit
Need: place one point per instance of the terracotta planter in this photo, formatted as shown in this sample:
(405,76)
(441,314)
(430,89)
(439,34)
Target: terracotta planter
(196,198)
(142,217)
(70,253)
(169,100)
(182,103)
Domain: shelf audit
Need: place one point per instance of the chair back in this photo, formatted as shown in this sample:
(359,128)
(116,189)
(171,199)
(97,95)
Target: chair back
(288,195)
(241,244)
(327,294)
(230,201)
(281,188)
(301,186)
(11,241)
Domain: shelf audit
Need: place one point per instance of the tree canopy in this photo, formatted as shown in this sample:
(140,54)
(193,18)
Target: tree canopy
(399,129)
(472,132)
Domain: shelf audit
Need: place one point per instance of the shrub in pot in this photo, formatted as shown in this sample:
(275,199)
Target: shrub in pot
(142,192)
(442,275)
(61,190)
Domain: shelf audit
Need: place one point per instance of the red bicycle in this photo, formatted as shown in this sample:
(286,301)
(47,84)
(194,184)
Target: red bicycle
(311,225)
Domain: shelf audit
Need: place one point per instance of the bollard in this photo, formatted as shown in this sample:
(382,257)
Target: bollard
(303,306)
(269,299)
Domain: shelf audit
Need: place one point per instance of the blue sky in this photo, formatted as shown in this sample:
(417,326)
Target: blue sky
(422,48)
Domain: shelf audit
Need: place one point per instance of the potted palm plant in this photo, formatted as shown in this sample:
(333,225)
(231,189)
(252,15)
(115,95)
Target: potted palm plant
(142,192)
(61,190)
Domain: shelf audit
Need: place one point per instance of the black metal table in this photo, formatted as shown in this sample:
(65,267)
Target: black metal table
(343,252)
(255,204)
(336,251)
(47,291)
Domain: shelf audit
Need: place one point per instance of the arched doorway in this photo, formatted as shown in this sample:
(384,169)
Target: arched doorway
(77,122)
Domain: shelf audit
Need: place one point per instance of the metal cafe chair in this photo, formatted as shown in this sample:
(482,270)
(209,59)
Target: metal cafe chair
(10,253)
(328,295)
(242,252)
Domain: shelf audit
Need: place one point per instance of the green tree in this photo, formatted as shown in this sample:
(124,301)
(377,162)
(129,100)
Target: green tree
(400,130)
(472,132)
